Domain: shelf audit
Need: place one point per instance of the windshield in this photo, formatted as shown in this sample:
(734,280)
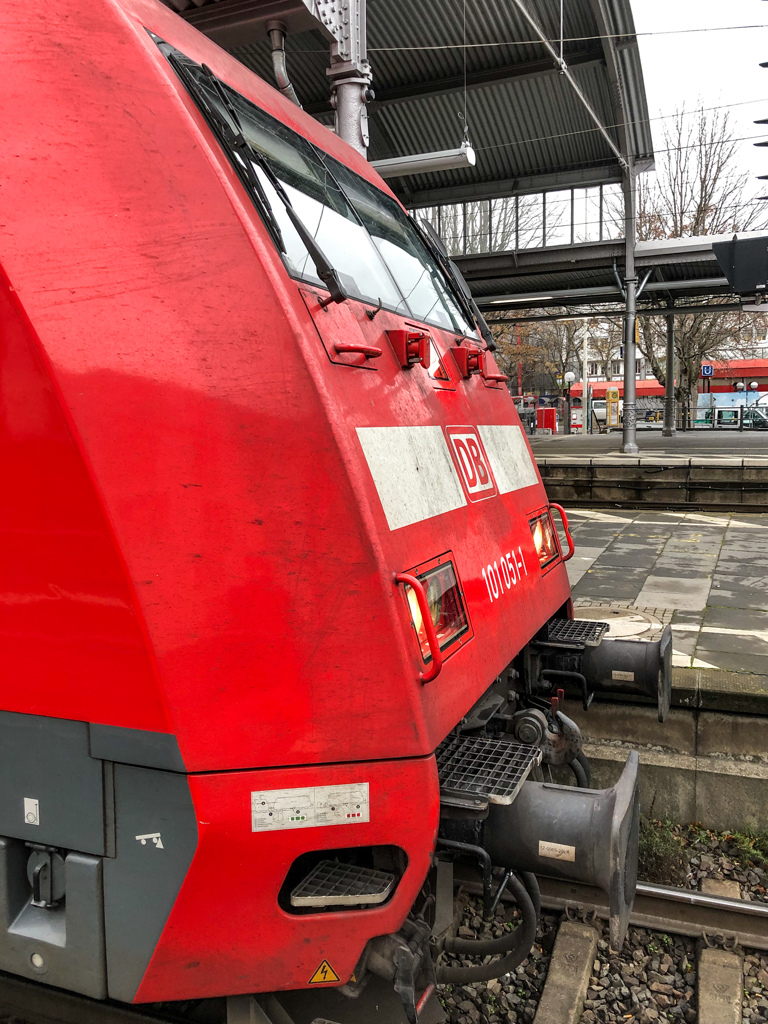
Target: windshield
(364,234)
(418,277)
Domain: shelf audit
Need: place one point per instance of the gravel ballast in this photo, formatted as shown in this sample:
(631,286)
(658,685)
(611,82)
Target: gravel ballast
(653,978)
(513,998)
(683,855)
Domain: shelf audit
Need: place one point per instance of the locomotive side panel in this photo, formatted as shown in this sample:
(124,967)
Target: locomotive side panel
(171,332)
(72,642)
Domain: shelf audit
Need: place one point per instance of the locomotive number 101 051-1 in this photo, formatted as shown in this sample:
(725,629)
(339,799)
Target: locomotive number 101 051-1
(504,573)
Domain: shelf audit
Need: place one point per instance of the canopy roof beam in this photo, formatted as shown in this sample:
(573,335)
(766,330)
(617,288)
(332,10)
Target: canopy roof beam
(606,314)
(612,292)
(475,80)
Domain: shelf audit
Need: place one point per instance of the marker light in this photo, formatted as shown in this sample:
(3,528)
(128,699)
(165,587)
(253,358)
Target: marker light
(544,539)
(446,608)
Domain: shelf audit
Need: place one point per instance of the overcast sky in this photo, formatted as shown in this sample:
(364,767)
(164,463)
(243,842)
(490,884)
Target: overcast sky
(709,68)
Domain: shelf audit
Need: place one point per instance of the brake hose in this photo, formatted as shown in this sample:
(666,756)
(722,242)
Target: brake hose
(581,769)
(516,945)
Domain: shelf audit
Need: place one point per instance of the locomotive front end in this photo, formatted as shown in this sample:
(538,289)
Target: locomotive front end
(288,649)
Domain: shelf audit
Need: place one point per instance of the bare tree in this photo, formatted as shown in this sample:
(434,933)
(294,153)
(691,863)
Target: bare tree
(519,356)
(698,189)
(544,351)
(605,344)
(488,225)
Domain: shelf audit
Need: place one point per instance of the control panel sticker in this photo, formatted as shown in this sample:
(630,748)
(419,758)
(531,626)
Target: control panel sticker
(275,809)
(324,974)
(557,851)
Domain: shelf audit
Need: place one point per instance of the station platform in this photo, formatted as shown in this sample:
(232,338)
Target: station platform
(698,469)
(706,575)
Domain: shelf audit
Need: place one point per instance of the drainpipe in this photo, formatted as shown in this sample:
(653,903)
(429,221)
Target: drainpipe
(276,31)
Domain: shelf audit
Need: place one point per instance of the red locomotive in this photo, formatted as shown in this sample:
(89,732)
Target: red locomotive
(284,611)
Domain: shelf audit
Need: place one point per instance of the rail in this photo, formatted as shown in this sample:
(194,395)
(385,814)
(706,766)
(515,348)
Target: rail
(661,908)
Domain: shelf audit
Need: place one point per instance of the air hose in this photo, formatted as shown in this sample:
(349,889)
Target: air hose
(580,771)
(514,946)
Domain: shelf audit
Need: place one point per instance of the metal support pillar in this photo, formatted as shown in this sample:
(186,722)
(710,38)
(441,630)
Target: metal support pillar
(585,385)
(629,438)
(669,377)
(350,73)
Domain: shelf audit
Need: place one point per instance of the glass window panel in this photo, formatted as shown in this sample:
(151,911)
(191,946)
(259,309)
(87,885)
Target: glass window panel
(503,224)
(430,214)
(613,212)
(586,215)
(476,219)
(558,218)
(417,276)
(363,233)
(452,228)
(531,223)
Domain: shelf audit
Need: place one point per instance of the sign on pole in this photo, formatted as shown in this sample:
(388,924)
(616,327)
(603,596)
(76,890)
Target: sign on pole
(612,407)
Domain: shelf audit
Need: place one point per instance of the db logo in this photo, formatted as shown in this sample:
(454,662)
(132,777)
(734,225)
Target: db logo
(471,462)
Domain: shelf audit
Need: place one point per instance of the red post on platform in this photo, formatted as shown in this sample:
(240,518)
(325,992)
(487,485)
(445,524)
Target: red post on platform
(519,364)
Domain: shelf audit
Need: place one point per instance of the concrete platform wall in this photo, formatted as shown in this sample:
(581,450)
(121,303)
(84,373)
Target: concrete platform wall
(700,766)
(669,482)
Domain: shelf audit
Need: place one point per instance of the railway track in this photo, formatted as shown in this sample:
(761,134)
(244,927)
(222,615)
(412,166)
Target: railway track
(724,924)
(661,908)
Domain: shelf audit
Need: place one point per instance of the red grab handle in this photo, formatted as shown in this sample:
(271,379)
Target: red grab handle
(568,537)
(369,351)
(491,370)
(433,670)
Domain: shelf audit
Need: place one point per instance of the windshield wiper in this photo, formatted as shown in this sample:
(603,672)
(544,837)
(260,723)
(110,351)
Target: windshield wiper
(469,307)
(325,270)
(235,141)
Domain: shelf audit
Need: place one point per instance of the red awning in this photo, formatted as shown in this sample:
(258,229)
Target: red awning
(741,368)
(643,388)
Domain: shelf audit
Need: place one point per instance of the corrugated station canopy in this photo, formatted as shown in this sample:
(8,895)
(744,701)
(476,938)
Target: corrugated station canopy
(529,128)
(679,268)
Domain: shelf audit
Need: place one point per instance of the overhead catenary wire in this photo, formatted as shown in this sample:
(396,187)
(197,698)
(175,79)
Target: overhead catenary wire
(537,42)
(569,39)
(628,124)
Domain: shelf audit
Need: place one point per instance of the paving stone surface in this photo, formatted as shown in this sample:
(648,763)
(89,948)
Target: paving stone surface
(705,572)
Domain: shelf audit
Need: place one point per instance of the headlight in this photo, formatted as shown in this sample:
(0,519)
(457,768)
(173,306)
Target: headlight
(544,539)
(446,608)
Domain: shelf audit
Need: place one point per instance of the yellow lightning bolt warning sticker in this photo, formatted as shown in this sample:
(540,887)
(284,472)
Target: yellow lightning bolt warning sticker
(324,974)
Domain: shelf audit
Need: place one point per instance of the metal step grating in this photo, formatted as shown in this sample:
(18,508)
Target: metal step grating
(333,884)
(577,631)
(481,767)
